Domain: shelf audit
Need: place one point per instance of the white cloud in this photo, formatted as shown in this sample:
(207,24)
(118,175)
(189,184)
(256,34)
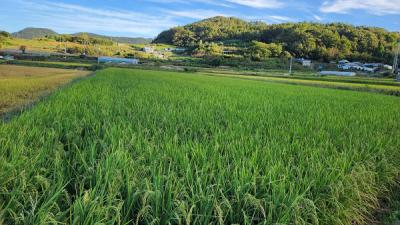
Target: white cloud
(272,4)
(376,7)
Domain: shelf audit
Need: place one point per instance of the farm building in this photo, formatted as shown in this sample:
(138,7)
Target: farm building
(367,67)
(304,62)
(148,49)
(338,73)
(117,60)
(9,57)
(388,67)
(179,49)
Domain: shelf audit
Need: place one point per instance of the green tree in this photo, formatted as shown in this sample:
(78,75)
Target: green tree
(183,37)
(22,48)
(259,51)
(207,49)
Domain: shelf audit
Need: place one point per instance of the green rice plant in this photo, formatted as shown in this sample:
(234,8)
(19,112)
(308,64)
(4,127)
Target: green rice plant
(147,147)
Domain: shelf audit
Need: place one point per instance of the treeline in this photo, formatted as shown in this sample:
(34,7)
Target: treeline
(82,39)
(4,34)
(3,37)
(316,41)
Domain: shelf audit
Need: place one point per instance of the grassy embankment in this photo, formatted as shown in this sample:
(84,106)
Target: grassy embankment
(56,64)
(21,85)
(151,147)
(52,46)
(379,85)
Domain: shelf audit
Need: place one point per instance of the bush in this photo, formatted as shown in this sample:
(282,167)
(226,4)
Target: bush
(214,61)
(190,70)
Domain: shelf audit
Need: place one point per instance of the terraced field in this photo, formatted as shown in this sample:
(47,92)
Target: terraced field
(149,147)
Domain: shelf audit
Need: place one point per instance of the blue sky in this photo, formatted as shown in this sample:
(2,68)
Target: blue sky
(146,18)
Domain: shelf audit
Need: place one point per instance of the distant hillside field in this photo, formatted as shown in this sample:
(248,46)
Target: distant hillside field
(126,40)
(32,33)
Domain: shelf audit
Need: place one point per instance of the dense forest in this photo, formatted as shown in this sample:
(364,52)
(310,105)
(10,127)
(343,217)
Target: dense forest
(308,40)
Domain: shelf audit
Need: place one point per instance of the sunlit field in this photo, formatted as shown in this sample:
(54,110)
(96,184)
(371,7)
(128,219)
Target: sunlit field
(20,85)
(148,147)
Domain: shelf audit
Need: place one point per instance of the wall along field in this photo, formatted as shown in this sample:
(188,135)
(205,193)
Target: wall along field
(148,147)
(20,85)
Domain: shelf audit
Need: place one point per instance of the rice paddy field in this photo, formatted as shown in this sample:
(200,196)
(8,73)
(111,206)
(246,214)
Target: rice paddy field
(148,147)
(21,85)
(378,85)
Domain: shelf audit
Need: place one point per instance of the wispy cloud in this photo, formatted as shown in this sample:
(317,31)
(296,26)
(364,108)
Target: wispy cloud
(377,7)
(222,3)
(71,18)
(195,14)
(318,18)
(281,18)
(272,4)
(273,19)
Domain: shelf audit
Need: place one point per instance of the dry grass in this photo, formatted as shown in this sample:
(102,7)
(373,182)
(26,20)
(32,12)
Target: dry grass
(20,85)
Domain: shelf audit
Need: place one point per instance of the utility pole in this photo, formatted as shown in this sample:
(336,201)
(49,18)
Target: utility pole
(290,67)
(396,62)
(65,49)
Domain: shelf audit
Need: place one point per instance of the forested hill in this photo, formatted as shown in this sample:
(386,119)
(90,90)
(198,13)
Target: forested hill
(308,40)
(31,33)
(213,29)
